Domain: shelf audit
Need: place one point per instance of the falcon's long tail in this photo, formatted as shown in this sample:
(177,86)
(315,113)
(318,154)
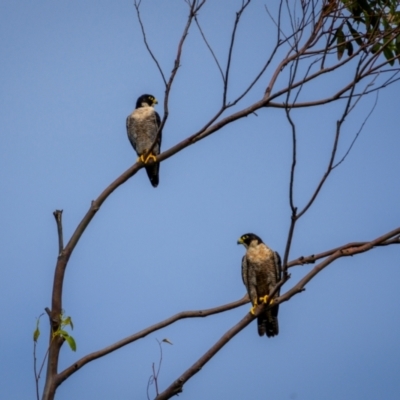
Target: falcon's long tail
(268,323)
(152,173)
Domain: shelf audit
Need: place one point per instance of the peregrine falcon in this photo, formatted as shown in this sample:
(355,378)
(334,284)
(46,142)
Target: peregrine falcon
(142,127)
(261,271)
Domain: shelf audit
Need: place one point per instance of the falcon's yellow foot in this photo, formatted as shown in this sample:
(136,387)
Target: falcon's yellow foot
(150,156)
(253,309)
(145,161)
(265,299)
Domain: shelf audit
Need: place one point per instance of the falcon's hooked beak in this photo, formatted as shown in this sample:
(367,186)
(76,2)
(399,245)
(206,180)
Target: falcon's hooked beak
(240,241)
(155,102)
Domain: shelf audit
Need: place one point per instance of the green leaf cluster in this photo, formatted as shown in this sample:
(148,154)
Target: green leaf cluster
(373,24)
(64,322)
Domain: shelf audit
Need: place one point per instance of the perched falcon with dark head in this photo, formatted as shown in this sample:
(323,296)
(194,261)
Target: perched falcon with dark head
(142,127)
(261,271)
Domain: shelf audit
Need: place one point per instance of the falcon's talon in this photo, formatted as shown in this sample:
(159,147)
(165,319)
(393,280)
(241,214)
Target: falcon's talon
(141,158)
(150,156)
(265,299)
(253,309)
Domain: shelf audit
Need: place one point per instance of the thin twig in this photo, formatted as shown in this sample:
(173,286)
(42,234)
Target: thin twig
(155,379)
(233,36)
(149,382)
(210,48)
(34,370)
(159,364)
(137,5)
(358,133)
(333,152)
(293,208)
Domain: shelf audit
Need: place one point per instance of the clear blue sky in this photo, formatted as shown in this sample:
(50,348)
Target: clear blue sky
(70,74)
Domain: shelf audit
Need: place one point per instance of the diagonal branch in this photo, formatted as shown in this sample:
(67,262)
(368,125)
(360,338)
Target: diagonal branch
(314,257)
(344,251)
(177,386)
(62,376)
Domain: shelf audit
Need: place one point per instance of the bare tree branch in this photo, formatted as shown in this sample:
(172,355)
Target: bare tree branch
(344,251)
(314,257)
(62,376)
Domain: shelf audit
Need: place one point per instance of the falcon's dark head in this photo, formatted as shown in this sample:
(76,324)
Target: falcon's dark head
(146,100)
(247,238)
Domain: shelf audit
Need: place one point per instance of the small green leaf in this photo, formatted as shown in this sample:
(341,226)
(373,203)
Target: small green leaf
(364,5)
(376,47)
(36,332)
(375,21)
(63,333)
(68,321)
(388,55)
(349,48)
(397,48)
(341,41)
(71,341)
(395,18)
(355,34)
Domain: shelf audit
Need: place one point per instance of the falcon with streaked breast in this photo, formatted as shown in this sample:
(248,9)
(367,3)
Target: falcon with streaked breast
(142,127)
(261,271)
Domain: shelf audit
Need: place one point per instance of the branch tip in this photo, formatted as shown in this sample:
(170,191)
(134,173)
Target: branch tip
(58,216)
